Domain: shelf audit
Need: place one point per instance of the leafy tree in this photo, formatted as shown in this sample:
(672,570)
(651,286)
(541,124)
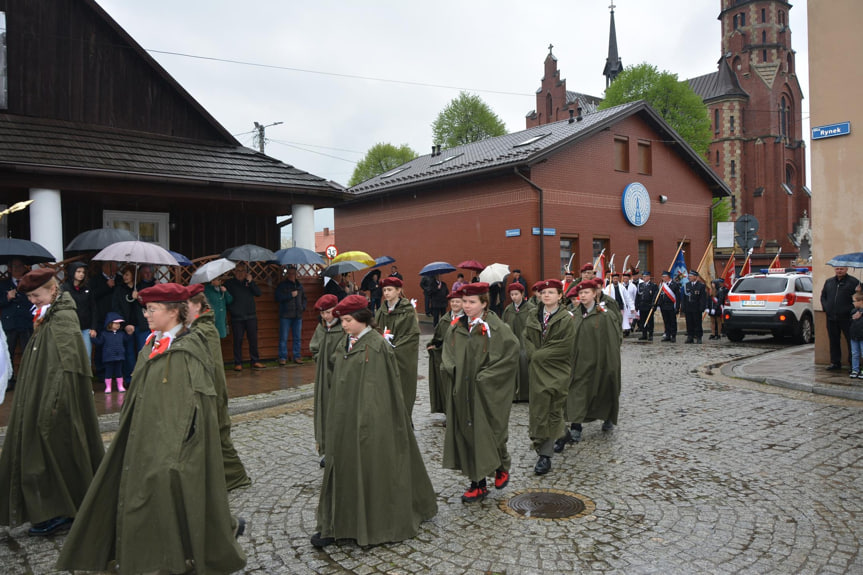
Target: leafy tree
(674,100)
(379,159)
(464,120)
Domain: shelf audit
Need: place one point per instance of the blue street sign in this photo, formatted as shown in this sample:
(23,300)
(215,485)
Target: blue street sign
(545,231)
(831,130)
(514,233)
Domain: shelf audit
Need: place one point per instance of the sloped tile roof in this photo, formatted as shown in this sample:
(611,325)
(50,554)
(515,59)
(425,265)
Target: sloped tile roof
(45,145)
(723,82)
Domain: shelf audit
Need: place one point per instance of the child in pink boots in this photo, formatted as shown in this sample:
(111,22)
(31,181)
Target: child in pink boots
(112,339)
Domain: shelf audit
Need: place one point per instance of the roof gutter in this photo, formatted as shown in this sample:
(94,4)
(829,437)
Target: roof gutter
(530,182)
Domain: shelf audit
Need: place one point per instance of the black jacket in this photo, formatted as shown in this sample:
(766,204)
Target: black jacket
(244,294)
(836,297)
(856,330)
(437,295)
(15,313)
(694,297)
(646,295)
(103,297)
(290,307)
(666,303)
(83,304)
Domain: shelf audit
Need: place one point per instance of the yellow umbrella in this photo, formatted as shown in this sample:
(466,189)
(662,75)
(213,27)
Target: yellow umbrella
(355,256)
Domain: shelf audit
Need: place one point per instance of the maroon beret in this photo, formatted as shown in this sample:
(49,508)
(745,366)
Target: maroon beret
(195,289)
(326,301)
(477,288)
(581,286)
(549,283)
(35,279)
(514,286)
(456,293)
(615,275)
(392,282)
(588,267)
(163,293)
(350,304)
(598,283)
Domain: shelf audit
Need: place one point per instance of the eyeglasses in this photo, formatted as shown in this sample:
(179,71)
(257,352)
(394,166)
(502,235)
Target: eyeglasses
(150,310)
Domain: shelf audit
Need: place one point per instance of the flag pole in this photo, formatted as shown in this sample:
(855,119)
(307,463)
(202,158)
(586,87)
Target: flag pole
(701,263)
(775,259)
(728,263)
(653,307)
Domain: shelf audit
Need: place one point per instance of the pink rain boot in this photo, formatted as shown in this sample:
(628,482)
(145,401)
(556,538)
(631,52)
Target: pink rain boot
(107,385)
(120,387)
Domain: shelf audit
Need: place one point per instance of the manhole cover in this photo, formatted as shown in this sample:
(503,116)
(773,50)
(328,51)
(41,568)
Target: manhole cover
(547,504)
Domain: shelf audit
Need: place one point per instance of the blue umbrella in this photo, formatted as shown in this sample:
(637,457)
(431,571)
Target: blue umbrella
(384,260)
(854,260)
(436,268)
(181,259)
(297,256)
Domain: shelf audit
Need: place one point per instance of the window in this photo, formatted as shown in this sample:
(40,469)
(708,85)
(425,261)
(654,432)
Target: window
(600,244)
(764,36)
(645,255)
(790,69)
(743,19)
(789,175)
(568,253)
(4,87)
(530,140)
(716,121)
(621,154)
(733,168)
(736,19)
(763,16)
(731,124)
(717,157)
(764,55)
(548,106)
(445,160)
(783,118)
(148,226)
(645,162)
(393,173)
(781,18)
(742,120)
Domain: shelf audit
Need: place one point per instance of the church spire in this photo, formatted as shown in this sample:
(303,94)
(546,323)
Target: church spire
(613,64)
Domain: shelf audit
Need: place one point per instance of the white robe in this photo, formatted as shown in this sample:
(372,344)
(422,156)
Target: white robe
(628,295)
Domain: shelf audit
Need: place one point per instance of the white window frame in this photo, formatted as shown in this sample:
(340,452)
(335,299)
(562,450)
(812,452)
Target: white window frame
(137,218)
(4,88)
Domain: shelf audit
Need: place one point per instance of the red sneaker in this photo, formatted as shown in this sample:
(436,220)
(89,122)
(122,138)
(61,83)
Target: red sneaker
(474,493)
(501,479)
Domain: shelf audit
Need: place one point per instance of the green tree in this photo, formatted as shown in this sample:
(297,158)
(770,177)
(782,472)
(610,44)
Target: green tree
(674,100)
(379,159)
(464,120)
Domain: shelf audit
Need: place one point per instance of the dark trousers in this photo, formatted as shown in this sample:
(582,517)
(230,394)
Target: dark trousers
(693,324)
(436,313)
(645,324)
(113,369)
(17,337)
(131,356)
(835,329)
(669,318)
(249,327)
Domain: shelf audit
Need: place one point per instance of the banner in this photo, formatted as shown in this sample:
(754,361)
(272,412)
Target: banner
(706,269)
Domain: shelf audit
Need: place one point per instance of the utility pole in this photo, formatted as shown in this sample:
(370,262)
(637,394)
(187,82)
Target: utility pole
(260,135)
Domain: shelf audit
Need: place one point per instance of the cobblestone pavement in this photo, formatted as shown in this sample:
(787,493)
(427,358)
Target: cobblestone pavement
(704,474)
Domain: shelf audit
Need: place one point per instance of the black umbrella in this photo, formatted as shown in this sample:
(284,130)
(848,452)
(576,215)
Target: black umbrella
(248,253)
(297,256)
(28,252)
(97,240)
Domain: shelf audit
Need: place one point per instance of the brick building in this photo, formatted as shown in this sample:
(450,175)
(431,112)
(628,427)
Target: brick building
(489,200)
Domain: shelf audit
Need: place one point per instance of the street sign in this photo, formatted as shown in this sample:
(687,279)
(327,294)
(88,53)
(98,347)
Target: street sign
(545,231)
(831,130)
(746,227)
(514,233)
(331,251)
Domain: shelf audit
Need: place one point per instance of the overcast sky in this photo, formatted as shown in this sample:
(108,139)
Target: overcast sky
(342,76)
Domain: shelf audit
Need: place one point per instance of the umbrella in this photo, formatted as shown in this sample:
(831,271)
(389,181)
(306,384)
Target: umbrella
(494,273)
(248,253)
(854,260)
(137,252)
(211,270)
(25,250)
(99,239)
(436,268)
(384,260)
(339,268)
(471,265)
(297,256)
(355,257)
(181,259)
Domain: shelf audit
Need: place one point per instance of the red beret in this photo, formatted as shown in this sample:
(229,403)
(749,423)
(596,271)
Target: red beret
(615,275)
(326,301)
(351,304)
(195,289)
(550,283)
(514,286)
(581,285)
(598,283)
(163,293)
(477,288)
(456,293)
(392,282)
(35,279)
(588,267)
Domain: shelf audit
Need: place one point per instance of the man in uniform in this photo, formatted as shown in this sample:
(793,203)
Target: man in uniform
(644,299)
(669,305)
(694,303)
(15,312)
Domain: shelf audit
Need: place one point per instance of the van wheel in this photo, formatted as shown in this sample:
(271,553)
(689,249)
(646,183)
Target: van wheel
(803,333)
(735,335)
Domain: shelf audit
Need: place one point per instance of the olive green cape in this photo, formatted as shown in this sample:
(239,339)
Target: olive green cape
(438,393)
(595,390)
(235,472)
(159,497)
(375,487)
(325,346)
(52,446)
(550,371)
(517,320)
(480,370)
(403,324)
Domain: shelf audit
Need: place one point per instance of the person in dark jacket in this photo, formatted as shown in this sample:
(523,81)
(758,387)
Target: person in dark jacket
(102,286)
(142,330)
(856,334)
(125,303)
(113,341)
(694,303)
(15,312)
(836,303)
(716,305)
(244,315)
(669,305)
(292,304)
(371,286)
(76,285)
(425,285)
(438,293)
(644,302)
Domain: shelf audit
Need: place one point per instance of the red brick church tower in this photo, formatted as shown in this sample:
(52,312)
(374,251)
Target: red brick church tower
(755,102)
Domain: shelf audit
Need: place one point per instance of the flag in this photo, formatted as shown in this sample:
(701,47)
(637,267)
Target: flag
(775,263)
(599,266)
(707,269)
(728,273)
(747,265)
(679,270)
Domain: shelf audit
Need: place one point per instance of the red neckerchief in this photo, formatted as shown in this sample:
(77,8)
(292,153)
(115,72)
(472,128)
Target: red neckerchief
(160,346)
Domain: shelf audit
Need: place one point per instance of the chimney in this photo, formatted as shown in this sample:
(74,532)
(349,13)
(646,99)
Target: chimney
(579,114)
(571,113)
(438,149)
(326,232)
(433,154)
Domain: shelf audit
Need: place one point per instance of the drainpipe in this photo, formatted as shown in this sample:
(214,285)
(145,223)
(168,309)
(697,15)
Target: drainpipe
(541,221)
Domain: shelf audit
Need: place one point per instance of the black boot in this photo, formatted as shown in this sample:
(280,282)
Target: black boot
(542,466)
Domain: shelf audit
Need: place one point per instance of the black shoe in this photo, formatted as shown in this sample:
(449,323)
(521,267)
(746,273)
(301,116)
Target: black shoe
(561,442)
(319,541)
(240,528)
(665,338)
(542,466)
(607,425)
(323,461)
(673,339)
(688,340)
(650,337)
(51,526)
(643,336)
(697,340)
(834,367)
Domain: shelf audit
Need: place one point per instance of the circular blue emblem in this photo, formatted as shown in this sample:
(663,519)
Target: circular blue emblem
(636,204)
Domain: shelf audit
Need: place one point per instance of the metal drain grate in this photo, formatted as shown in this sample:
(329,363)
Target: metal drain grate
(547,504)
